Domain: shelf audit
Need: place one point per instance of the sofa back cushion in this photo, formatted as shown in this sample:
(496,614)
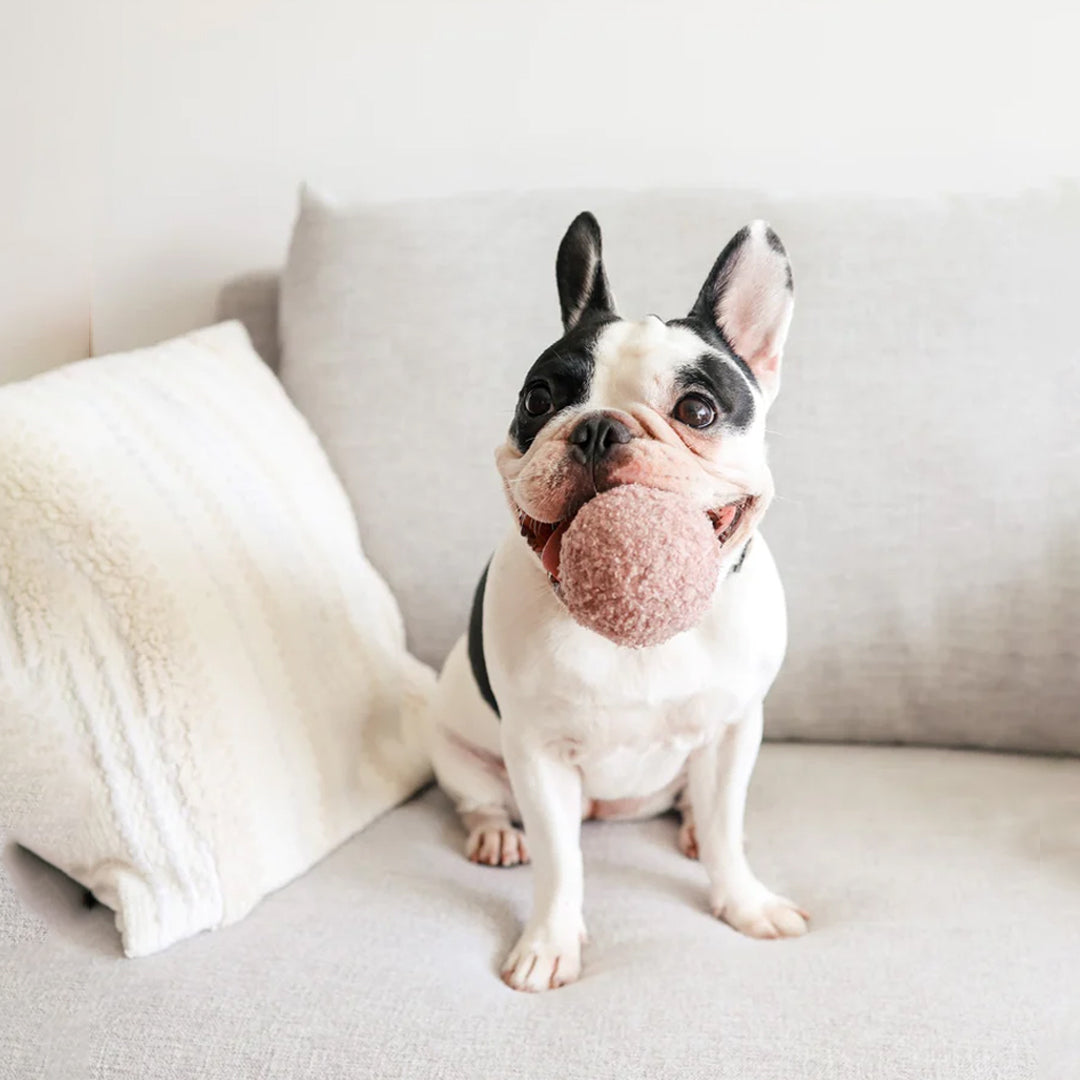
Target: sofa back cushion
(928,520)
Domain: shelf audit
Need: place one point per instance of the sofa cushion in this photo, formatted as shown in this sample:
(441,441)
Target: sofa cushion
(203,683)
(944,889)
(928,520)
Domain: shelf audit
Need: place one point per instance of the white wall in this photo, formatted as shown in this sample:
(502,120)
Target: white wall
(46,182)
(152,149)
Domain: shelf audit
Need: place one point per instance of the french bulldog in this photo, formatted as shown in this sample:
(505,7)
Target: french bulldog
(537,719)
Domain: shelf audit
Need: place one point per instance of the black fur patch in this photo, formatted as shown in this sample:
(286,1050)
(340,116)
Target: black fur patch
(565,370)
(477,661)
(723,380)
(742,556)
(712,335)
(584,292)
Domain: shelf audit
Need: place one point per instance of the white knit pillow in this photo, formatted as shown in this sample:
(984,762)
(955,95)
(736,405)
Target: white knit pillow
(203,684)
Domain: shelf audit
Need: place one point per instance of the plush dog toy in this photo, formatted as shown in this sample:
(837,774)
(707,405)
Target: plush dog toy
(638,565)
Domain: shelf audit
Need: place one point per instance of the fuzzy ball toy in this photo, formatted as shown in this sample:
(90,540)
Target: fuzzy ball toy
(638,565)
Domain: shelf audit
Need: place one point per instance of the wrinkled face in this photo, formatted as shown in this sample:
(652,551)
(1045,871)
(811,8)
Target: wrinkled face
(669,405)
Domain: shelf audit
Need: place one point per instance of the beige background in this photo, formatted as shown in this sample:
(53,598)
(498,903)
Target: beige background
(152,149)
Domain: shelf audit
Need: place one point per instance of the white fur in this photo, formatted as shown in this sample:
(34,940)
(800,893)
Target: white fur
(589,728)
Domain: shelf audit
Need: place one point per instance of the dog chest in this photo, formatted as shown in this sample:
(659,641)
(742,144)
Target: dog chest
(627,753)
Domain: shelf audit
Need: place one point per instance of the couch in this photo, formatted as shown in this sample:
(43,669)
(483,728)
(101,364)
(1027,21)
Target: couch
(920,792)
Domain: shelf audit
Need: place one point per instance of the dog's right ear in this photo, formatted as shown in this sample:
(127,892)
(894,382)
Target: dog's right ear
(584,292)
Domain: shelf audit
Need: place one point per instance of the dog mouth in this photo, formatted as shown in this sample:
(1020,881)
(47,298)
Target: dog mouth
(726,519)
(545,537)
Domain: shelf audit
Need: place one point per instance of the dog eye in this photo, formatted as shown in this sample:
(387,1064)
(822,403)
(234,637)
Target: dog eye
(537,401)
(695,411)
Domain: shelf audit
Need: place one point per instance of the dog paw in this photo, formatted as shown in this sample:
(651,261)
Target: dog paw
(496,845)
(687,840)
(759,913)
(544,959)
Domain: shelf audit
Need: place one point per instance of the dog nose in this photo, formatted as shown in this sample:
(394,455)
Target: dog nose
(591,441)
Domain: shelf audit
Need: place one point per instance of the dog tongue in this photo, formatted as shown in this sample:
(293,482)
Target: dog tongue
(550,554)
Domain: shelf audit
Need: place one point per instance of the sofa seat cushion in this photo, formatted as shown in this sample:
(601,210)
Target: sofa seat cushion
(944,888)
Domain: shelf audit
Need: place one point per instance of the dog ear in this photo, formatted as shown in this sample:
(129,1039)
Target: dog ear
(749,297)
(584,292)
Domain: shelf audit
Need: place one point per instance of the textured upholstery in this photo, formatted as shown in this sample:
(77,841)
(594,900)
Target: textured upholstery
(928,521)
(927,534)
(945,894)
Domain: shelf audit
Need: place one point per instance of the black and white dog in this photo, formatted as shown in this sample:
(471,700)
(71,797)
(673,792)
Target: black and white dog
(539,720)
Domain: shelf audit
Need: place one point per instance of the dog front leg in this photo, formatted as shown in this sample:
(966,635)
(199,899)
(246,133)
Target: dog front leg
(548,794)
(719,776)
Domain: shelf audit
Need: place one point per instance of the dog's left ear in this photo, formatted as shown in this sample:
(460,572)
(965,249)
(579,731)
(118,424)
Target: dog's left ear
(749,297)
(579,272)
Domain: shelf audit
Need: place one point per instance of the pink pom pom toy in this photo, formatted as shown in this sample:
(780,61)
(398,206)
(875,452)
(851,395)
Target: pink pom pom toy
(637,565)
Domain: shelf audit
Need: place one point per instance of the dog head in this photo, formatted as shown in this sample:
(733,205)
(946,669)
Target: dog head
(677,405)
